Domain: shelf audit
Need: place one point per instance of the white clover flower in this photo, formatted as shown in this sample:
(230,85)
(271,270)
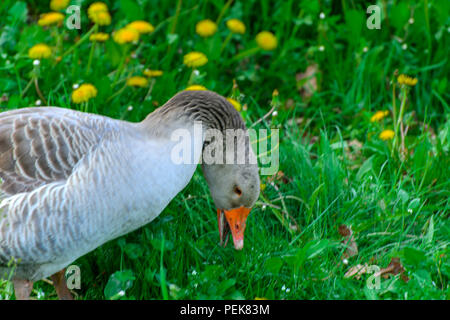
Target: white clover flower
(404,46)
(75,86)
(36,62)
(322,15)
(130,108)
(283,288)
(345,261)
(40,294)
(411,20)
(321,48)
(274,114)
(365,49)
(38,102)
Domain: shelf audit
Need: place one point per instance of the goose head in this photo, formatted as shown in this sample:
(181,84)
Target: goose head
(234,185)
(234,189)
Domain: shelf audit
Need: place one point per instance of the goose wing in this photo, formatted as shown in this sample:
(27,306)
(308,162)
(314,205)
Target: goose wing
(43,145)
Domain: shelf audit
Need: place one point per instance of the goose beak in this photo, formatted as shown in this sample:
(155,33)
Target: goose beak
(233,220)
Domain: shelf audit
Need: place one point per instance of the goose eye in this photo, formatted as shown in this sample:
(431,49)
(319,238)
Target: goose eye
(238,191)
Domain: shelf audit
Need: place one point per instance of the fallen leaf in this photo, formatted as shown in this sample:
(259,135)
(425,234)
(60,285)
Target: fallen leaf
(307,81)
(394,268)
(279,176)
(349,241)
(356,271)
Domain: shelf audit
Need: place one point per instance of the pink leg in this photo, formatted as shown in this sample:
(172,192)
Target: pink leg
(59,282)
(22,289)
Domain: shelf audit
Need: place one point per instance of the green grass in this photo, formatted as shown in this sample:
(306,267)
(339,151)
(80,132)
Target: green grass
(336,169)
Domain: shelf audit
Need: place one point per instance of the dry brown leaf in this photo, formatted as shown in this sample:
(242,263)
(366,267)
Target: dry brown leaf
(394,268)
(356,271)
(349,241)
(290,103)
(307,81)
(279,176)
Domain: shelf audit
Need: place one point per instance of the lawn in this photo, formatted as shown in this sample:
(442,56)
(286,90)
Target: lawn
(359,208)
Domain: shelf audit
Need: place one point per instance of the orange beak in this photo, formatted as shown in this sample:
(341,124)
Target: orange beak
(235,221)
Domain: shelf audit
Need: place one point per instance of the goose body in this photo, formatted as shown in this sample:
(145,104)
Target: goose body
(72,181)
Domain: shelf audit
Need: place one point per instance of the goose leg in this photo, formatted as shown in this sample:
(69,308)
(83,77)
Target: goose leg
(22,289)
(59,282)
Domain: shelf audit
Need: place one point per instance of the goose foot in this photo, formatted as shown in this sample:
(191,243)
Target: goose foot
(59,282)
(22,289)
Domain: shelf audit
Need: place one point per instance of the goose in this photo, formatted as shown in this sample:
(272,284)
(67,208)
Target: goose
(72,181)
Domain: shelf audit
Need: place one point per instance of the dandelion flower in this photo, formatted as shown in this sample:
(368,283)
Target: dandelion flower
(57,5)
(141,26)
(40,51)
(98,13)
(206,28)
(137,82)
(409,81)
(84,93)
(387,135)
(379,115)
(195,59)
(51,18)
(152,73)
(236,26)
(101,18)
(99,36)
(97,7)
(266,40)
(126,35)
(195,87)
(235,104)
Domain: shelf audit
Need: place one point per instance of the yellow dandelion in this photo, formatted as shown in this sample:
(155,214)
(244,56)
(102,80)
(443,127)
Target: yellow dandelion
(387,134)
(98,13)
(206,28)
(262,186)
(126,35)
(40,51)
(137,82)
(195,87)
(195,59)
(51,18)
(236,26)
(379,115)
(266,40)
(152,73)
(101,18)
(57,5)
(99,36)
(84,93)
(235,104)
(97,7)
(141,26)
(409,81)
